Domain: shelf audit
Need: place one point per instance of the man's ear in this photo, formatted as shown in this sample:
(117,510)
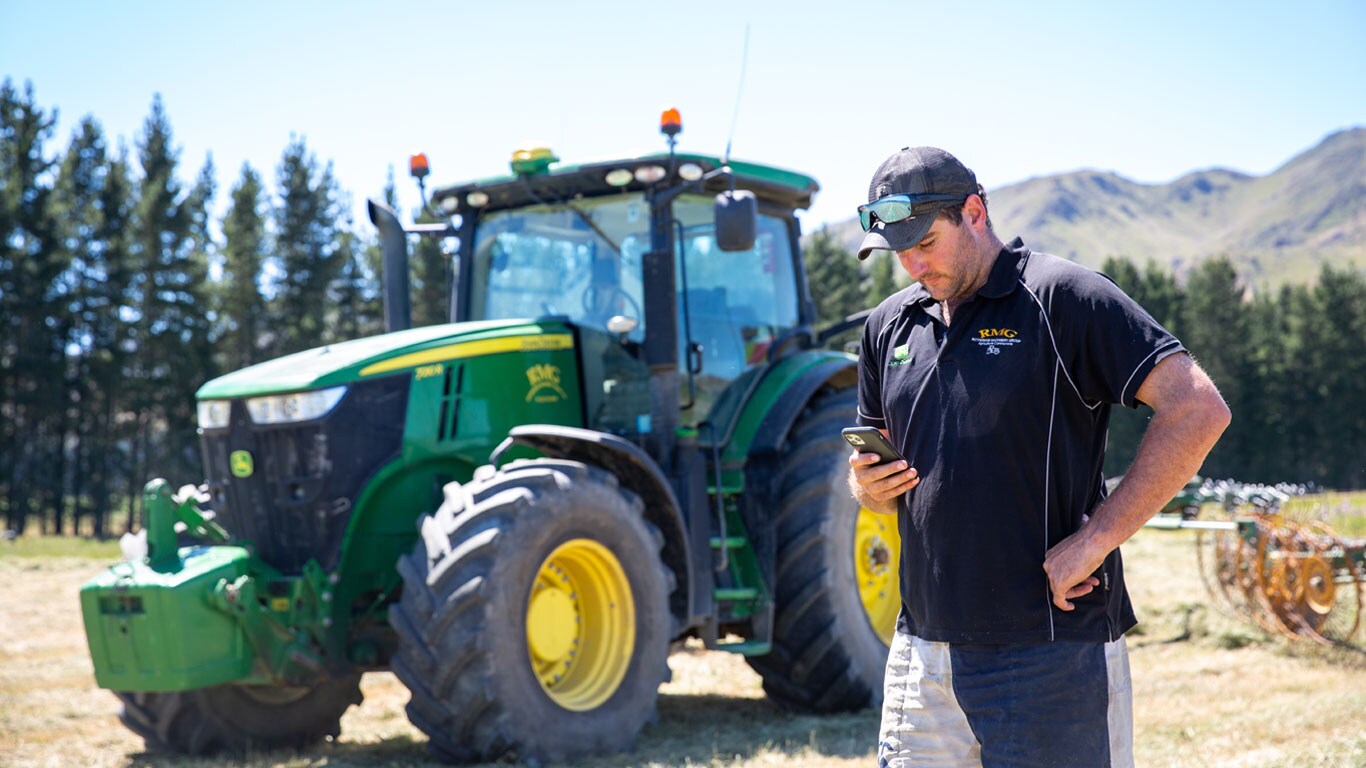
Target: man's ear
(975,212)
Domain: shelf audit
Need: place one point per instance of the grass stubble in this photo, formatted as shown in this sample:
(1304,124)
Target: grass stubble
(1209,690)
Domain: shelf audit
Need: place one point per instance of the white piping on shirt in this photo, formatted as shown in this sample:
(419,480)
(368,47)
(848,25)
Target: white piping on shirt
(1054,341)
(1128,381)
(1047,469)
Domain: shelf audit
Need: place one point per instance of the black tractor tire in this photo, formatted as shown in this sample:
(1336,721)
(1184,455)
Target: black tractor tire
(471,589)
(237,719)
(826,655)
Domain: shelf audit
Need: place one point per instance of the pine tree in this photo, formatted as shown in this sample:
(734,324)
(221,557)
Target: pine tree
(193,346)
(358,309)
(834,278)
(1338,367)
(107,295)
(169,251)
(882,277)
(305,244)
(76,201)
(1124,273)
(372,264)
(242,307)
(31,338)
(430,279)
(1297,388)
(1162,297)
(1264,399)
(1216,333)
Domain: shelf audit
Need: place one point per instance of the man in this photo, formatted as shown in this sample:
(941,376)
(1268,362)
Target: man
(994,375)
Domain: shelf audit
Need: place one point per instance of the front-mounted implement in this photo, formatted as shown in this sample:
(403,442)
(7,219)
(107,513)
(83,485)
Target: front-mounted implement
(626,436)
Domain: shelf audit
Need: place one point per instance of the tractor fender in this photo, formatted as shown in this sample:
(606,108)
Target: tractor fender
(635,470)
(836,373)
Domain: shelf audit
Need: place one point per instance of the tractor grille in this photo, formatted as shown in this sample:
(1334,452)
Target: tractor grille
(297,502)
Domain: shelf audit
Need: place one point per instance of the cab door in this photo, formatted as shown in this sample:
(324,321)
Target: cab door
(732,304)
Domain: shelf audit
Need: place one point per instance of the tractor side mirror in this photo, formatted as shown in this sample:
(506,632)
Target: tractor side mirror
(737,220)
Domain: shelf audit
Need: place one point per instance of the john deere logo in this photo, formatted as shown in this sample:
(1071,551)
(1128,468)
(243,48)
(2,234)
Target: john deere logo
(545,384)
(240,463)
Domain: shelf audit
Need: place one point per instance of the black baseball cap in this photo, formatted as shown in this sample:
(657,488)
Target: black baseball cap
(914,171)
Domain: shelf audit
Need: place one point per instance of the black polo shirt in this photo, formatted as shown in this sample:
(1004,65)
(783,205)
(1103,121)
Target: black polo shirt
(1004,414)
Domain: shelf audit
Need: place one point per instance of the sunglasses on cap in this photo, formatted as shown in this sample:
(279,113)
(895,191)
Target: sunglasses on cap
(894,208)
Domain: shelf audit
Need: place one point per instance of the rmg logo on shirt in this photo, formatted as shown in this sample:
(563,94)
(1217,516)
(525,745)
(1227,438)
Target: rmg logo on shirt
(995,333)
(994,338)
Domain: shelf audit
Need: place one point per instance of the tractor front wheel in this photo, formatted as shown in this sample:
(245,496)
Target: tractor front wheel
(534,619)
(239,718)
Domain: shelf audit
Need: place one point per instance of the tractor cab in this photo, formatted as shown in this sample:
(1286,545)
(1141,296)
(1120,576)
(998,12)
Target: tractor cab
(679,267)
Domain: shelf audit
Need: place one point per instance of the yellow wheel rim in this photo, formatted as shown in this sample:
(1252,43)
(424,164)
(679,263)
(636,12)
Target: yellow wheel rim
(580,625)
(877,555)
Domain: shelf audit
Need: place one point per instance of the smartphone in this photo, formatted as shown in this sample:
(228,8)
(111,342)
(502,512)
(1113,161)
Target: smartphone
(870,440)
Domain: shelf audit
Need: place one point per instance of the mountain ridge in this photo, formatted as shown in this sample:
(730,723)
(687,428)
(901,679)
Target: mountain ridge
(1278,228)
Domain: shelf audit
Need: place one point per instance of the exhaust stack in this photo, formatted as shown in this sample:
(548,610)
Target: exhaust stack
(394,244)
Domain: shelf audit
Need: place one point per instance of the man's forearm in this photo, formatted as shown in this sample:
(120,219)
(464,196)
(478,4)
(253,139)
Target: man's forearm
(1188,417)
(1172,450)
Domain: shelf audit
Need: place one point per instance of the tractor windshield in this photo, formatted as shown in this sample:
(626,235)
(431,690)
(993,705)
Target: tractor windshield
(583,262)
(583,259)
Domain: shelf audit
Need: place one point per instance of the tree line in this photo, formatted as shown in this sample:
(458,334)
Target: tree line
(122,291)
(119,298)
(1290,362)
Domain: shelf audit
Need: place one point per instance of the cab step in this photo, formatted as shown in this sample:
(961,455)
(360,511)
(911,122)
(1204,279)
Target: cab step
(736,593)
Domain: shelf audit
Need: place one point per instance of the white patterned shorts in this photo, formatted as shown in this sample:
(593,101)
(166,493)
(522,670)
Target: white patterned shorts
(1046,704)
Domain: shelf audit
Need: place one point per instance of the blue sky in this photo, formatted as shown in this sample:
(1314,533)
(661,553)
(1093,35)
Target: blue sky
(1151,90)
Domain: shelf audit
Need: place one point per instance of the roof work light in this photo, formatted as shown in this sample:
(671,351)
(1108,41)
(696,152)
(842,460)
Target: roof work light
(527,162)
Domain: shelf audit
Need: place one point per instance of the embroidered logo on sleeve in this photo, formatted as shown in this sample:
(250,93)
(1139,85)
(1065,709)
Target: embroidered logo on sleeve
(994,339)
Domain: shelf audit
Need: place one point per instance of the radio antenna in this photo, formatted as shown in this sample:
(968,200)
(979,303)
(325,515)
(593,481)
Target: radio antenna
(735,114)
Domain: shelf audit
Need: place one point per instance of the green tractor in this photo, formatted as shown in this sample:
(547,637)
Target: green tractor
(627,436)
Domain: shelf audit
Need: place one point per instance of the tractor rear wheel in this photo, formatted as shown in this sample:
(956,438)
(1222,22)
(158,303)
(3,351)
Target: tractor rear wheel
(836,586)
(239,718)
(534,619)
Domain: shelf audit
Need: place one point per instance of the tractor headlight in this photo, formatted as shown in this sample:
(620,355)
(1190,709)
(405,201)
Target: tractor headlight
(213,414)
(296,406)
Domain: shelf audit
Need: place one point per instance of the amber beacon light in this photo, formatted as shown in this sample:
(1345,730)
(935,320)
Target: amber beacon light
(670,123)
(417,166)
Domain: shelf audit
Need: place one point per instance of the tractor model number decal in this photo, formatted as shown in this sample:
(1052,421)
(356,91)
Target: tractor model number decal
(428,371)
(241,464)
(549,341)
(545,384)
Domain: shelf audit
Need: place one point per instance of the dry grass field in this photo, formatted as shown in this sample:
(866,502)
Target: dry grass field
(1209,690)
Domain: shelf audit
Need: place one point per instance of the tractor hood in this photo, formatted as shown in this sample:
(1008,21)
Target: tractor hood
(386,354)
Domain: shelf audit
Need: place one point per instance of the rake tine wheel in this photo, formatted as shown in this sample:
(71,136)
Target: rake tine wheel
(1331,581)
(1223,560)
(1276,590)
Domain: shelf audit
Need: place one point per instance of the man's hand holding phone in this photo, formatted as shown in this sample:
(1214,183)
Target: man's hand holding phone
(878,473)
